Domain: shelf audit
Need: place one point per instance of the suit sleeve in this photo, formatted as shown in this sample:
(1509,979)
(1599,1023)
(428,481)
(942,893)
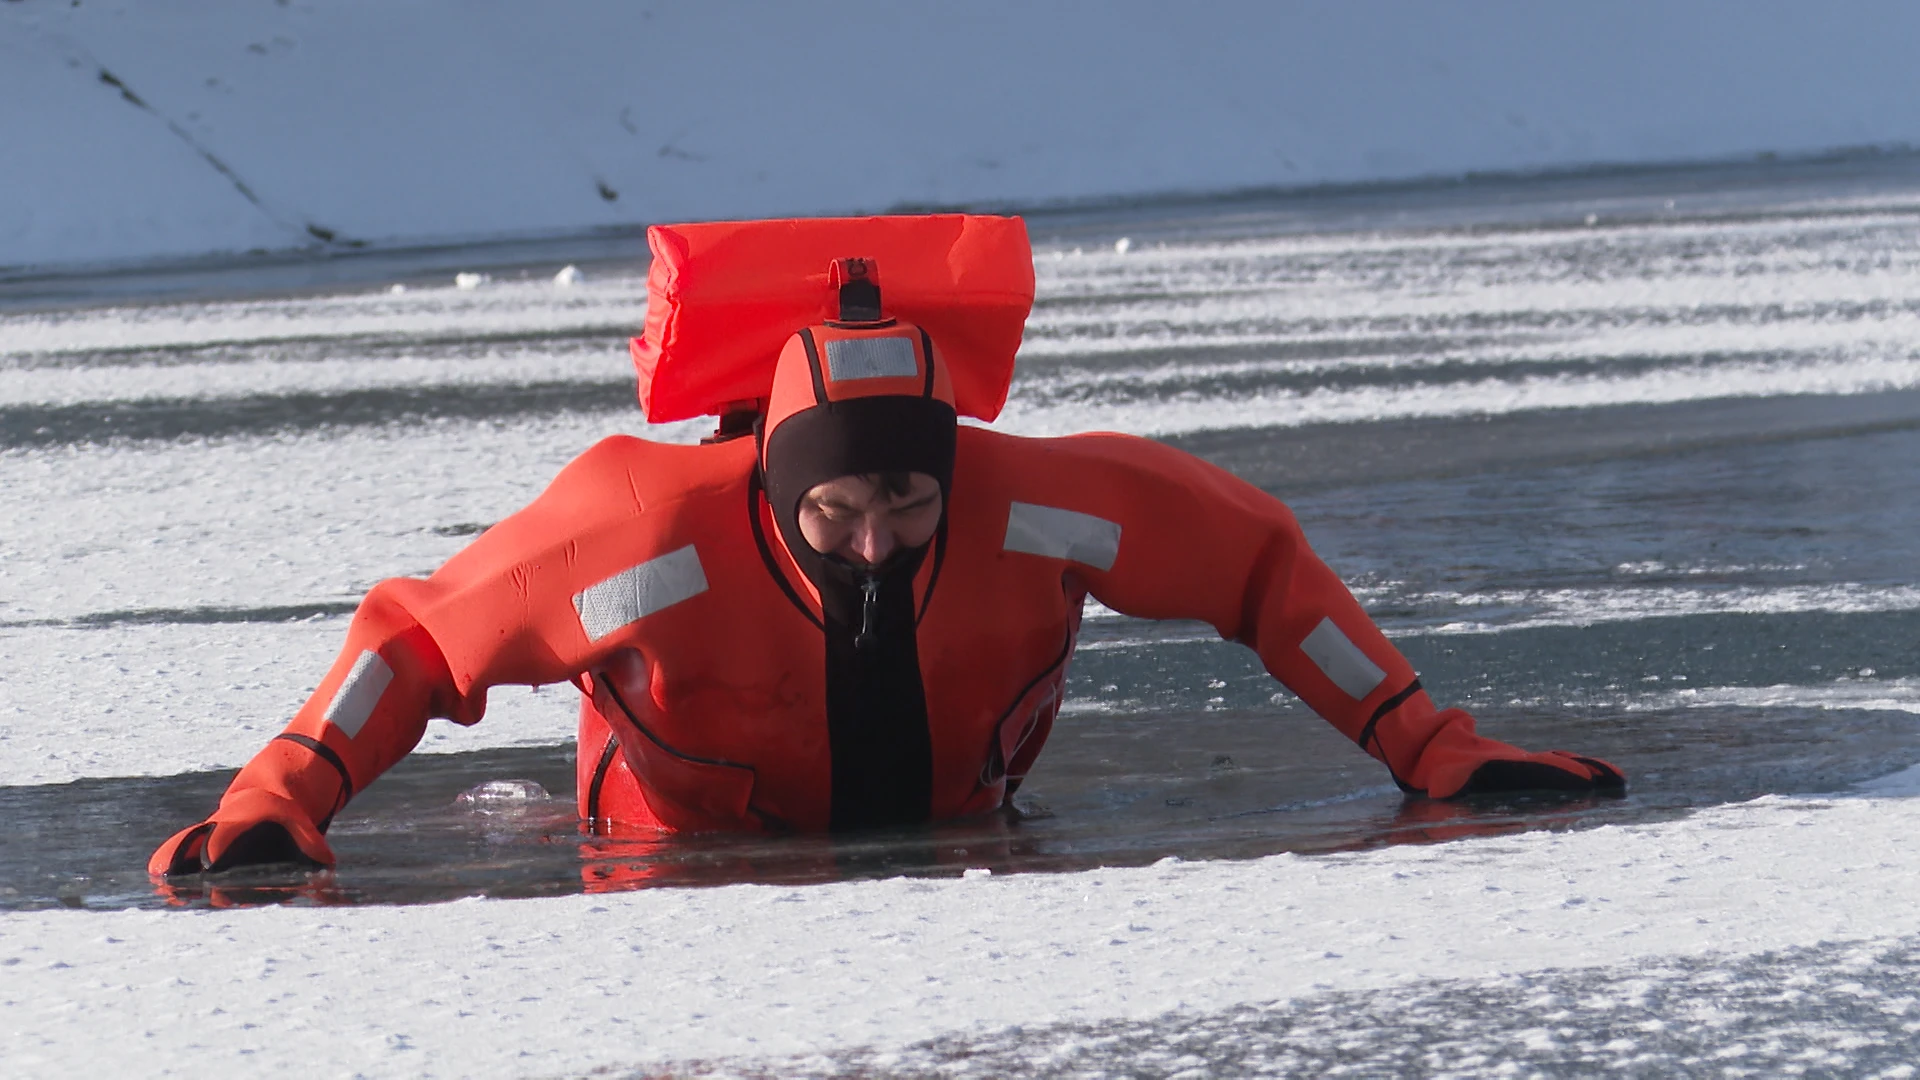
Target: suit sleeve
(1195,542)
(499,612)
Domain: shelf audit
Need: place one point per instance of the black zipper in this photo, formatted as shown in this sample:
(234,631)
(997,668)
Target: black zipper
(869,609)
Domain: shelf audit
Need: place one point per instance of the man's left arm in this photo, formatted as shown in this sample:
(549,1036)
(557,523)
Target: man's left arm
(1196,542)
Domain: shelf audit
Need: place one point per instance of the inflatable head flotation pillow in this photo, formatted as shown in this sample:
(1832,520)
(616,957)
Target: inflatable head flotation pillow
(724,297)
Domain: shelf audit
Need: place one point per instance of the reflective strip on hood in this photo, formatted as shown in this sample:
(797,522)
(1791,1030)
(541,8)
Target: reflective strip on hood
(639,591)
(1063,534)
(871,358)
(1340,660)
(354,702)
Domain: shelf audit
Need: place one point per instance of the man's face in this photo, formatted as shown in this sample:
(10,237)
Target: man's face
(857,520)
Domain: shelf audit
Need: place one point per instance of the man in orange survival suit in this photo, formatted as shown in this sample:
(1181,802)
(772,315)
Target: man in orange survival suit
(861,616)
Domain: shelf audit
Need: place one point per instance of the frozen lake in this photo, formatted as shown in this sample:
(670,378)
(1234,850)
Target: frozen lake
(1627,464)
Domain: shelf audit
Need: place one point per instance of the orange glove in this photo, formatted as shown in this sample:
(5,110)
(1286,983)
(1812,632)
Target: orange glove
(267,814)
(1456,762)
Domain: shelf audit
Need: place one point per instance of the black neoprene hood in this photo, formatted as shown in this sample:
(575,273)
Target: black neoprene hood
(855,437)
(881,744)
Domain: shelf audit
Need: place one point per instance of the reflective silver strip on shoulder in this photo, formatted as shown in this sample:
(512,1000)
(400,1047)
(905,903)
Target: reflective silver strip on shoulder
(639,591)
(871,358)
(1340,660)
(354,702)
(1063,534)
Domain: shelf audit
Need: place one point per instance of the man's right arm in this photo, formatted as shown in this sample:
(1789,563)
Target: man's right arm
(499,612)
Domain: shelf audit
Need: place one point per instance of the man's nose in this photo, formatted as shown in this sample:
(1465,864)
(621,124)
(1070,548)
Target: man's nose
(872,542)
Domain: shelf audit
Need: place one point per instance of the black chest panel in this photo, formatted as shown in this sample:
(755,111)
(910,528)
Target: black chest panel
(876,704)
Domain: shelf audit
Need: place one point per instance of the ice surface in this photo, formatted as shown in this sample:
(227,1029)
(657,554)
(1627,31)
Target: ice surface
(1287,407)
(293,374)
(232,126)
(1897,695)
(1471,324)
(171,597)
(165,699)
(1840,1009)
(125,335)
(235,524)
(1518,609)
(730,976)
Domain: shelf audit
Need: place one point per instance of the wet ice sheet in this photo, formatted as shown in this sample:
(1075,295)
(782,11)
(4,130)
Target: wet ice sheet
(1120,786)
(324,443)
(165,699)
(856,972)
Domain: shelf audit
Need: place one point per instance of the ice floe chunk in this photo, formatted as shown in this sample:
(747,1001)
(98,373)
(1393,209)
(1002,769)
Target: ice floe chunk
(502,795)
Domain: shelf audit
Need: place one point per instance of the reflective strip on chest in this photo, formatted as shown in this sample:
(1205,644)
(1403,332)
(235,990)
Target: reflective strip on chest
(1063,534)
(354,702)
(871,358)
(1340,660)
(639,591)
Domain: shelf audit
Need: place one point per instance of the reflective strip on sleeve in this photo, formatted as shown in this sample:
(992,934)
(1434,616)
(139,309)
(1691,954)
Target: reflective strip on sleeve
(1340,660)
(354,702)
(1063,534)
(639,591)
(871,358)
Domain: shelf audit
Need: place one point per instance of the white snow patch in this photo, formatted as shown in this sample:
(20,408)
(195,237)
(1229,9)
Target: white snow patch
(521,308)
(570,985)
(161,700)
(1874,695)
(245,523)
(230,126)
(1527,609)
(1485,397)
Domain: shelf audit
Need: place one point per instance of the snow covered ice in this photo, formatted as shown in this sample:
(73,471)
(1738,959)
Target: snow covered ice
(1738,904)
(231,127)
(1713,588)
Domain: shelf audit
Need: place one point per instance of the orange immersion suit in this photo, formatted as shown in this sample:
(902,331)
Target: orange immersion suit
(727,681)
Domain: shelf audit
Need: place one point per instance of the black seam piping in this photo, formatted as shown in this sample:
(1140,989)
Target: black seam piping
(325,753)
(1386,707)
(1367,733)
(813,362)
(926,346)
(766,552)
(655,739)
(600,771)
(1066,650)
(933,576)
